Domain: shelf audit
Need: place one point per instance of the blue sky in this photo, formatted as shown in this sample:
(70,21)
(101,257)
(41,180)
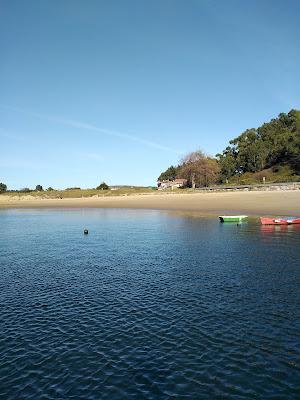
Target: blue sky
(118,90)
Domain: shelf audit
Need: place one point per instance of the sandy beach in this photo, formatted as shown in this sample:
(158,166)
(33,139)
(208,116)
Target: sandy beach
(250,203)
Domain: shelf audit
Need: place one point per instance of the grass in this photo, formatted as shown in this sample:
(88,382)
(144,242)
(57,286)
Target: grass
(276,174)
(78,193)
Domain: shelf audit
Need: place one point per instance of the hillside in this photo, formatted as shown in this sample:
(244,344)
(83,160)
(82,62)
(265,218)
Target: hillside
(271,151)
(273,144)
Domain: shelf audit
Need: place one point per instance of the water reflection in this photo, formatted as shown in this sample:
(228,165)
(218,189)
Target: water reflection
(279,228)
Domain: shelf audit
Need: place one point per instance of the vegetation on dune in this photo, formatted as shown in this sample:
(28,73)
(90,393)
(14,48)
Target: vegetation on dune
(271,151)
(78,193)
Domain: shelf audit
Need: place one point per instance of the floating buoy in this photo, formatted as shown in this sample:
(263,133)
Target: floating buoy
(86,232)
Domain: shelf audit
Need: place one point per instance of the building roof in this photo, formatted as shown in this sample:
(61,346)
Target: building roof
(179,180)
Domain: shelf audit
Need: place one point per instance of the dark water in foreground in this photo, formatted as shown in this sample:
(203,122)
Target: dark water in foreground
(149,305)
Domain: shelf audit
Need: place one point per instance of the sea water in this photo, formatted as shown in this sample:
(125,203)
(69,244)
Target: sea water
(148,305)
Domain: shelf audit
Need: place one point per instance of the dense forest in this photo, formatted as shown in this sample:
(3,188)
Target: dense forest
(267,150)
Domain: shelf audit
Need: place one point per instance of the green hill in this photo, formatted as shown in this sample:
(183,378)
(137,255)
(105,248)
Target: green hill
(271,151)
(272,145)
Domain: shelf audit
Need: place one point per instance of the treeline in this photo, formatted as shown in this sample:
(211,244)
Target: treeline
(274,143)
(39,188)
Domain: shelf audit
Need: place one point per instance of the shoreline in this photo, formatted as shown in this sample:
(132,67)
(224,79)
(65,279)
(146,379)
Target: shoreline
(252,203)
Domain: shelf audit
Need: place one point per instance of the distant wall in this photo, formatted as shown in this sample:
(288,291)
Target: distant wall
(262,187)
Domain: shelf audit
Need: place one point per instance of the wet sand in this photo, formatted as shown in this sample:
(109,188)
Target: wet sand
(250,203)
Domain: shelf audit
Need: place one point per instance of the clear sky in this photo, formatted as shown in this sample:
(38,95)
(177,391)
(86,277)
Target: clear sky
(118,90)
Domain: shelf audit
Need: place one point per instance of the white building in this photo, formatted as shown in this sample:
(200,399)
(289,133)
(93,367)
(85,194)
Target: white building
(168,184)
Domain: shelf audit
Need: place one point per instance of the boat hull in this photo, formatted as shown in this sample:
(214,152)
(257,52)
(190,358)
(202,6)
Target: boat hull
(232,218)
(280,221)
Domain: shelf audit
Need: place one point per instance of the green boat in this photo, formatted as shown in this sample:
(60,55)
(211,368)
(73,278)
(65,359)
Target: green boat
(232,218)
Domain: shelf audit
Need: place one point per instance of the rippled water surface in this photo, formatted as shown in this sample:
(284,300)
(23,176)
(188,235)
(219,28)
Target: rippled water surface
(149,305)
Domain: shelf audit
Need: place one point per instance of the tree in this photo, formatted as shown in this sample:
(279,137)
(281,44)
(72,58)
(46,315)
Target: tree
(189,166)
(3,187)
(275,142)
(227,163)
(39,188)
(199,169)
(50,189)
(169,175)
(102,186)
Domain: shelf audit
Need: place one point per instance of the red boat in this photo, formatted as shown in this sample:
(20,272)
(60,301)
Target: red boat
(280,220)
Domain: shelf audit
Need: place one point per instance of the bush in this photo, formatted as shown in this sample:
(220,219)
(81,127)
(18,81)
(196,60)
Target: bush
(50,189)
(3,187)
(102,186)
(25,190)
(73,188)
(39,188)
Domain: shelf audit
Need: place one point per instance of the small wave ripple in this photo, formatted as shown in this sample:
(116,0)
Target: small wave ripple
(148,306)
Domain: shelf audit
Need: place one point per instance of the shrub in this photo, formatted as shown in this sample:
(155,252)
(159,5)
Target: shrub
(102,186)
(3,187)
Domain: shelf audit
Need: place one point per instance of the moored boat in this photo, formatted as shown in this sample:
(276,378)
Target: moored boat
(232,218)
(280,220)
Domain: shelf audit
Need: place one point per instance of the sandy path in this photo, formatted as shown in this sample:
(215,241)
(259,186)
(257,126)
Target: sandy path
(251,203)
